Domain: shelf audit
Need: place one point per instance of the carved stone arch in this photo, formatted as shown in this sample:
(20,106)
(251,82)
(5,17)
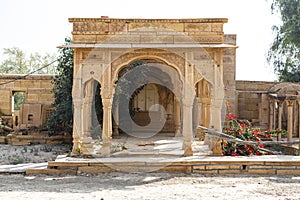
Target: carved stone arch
(88,85)
(169,58)
(89,72)
(200,79)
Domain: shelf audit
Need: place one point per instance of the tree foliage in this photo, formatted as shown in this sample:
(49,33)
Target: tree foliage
(61,118)
(284,52)
(16,62)
(19,98)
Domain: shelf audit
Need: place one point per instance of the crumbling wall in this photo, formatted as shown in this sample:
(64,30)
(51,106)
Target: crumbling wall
(252,102)
(38,98)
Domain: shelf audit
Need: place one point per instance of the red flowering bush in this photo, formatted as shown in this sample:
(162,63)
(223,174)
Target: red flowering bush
(244,131)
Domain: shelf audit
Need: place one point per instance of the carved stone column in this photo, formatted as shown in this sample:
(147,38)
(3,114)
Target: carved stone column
(271,113)
(77,126)
(177,118)
(290,104)
(280,109)
(107,127)
(116,120)
(215,143)
(86,139)
(295,117)
(274,114)
(200,133)
(187,126)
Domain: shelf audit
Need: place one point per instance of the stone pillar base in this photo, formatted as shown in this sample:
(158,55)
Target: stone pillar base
(178,133)
(105,150)
(187,148)
(217,149)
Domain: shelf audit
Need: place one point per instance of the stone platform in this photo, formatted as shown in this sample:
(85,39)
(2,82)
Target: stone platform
(263,165)
(163,153)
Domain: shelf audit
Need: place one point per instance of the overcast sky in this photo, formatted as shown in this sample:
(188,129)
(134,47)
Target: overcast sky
(41,25)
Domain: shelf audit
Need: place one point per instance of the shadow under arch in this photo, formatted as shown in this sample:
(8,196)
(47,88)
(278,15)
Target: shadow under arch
(173,60)
(92,109)
(134,78)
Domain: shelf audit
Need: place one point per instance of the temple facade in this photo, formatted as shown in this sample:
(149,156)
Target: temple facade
(178,73)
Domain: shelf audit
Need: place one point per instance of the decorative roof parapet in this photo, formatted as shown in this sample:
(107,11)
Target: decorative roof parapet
(144,31)
(128,20)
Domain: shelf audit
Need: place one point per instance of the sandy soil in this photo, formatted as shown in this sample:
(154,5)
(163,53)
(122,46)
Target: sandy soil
(149,186)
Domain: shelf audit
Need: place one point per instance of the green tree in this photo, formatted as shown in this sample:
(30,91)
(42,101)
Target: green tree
(36,62)
(19,98)
(61,118)
(284,52)
(16,62)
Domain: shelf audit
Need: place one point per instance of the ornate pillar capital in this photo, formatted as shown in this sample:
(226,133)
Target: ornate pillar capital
(107,102)
(290,102)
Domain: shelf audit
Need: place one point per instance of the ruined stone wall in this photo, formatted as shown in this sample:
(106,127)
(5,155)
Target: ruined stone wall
(229,73)
(252,102)
(38,96)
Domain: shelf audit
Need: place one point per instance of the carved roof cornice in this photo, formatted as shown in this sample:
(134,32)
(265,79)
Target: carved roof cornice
(129,20)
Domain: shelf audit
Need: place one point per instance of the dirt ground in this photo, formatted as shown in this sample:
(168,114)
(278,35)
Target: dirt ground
(149,186)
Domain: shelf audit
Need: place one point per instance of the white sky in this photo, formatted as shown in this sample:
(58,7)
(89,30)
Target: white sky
(41,25)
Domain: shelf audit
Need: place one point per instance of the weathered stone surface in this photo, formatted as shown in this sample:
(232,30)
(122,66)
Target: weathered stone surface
(288,172)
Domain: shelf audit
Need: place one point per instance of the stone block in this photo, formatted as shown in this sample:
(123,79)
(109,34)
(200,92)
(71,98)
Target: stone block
(155,26)
(19,143)
(32,98)
(250,86)
(240,85)
(228,59)
(183,39)
(229,52)
(230,171)
(126,38)
(259,167)
(285,167)
(288,172)
(254,96)
(46,97)
(229,76)
(198,27)
(92,39)
(283,163)
(264,86)
(46,84)
(175,169)
(217,27)
(206,171)
(3,140)
(262,171)
(46,171)
(157,39)
(115,27)
(237,166)
(198,167)
(230,38)
(102,38)
(95,169)
(212,167)
(252,107)
(208,39)
(54,164)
